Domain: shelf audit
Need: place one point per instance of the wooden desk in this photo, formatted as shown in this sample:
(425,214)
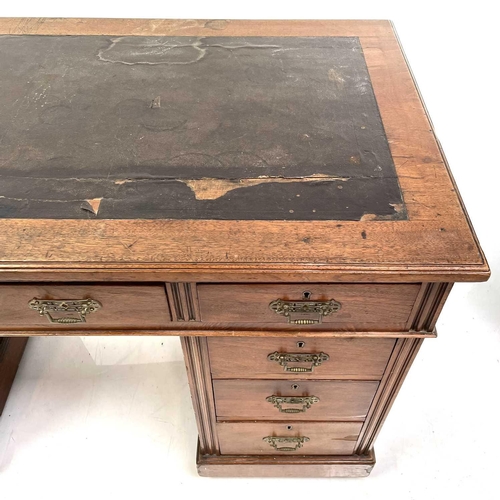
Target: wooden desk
(271,191)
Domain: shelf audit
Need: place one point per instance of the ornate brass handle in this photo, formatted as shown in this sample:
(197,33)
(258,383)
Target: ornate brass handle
(299,312)
(305,401)
(80,307)
(283,358)
(275,440)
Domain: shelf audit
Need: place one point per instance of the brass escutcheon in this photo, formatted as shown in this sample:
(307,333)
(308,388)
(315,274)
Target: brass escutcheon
(305,401)
(275,440)
(80,307)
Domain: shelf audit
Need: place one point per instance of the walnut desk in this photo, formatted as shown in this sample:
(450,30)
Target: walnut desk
(272,192)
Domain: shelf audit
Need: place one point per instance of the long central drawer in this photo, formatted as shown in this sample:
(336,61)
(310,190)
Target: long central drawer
(287,358)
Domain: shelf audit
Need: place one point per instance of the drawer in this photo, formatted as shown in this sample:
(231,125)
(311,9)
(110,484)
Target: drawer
(282,438)
(118,306)
(293,400)
(336,358)
(362,307)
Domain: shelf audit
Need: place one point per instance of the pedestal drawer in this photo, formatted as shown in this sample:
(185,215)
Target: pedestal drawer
(293,358)
(293,400)
(83,306)
(362,307)
(282,438)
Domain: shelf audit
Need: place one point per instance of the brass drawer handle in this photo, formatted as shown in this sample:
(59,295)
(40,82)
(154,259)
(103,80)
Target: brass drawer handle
(275,440)
(305,401)
(80,307)
(283,358)
(304,312)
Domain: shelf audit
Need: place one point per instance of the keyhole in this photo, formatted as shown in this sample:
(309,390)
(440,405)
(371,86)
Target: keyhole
(289,427)
(306,295)
(301,344)
(295,386)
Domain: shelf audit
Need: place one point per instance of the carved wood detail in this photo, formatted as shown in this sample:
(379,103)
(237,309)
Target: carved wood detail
(430,302)
(183,301)
(200,382)
(399,363)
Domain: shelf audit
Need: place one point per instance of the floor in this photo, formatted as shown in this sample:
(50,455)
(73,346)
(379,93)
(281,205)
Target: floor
(100,417)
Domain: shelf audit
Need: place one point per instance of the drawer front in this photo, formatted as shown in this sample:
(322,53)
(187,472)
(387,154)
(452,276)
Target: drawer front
(281,438)
(348,358)
(293,400)
(362,307)
(118,306)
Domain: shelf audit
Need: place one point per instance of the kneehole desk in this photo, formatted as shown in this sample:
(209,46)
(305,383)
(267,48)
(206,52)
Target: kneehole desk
(270,191)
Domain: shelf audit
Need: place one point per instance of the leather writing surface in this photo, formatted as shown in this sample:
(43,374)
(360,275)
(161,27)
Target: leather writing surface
(251,128)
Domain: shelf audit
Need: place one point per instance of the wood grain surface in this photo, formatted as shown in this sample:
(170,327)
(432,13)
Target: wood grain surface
(338,400)
(363,307)
(122,306)
(325,438)
(350,358)
(285,466)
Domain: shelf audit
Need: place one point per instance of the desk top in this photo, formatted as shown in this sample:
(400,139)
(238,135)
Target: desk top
(239,147)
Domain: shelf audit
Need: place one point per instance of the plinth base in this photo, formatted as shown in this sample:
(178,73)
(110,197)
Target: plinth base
(284,466)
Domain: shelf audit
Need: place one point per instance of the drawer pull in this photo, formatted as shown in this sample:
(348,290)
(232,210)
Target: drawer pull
(305,401)
(275,440)
(283,358)
(80,307)
(304,312)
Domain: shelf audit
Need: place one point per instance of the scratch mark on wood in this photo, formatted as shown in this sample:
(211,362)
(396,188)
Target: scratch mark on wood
(129,246)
